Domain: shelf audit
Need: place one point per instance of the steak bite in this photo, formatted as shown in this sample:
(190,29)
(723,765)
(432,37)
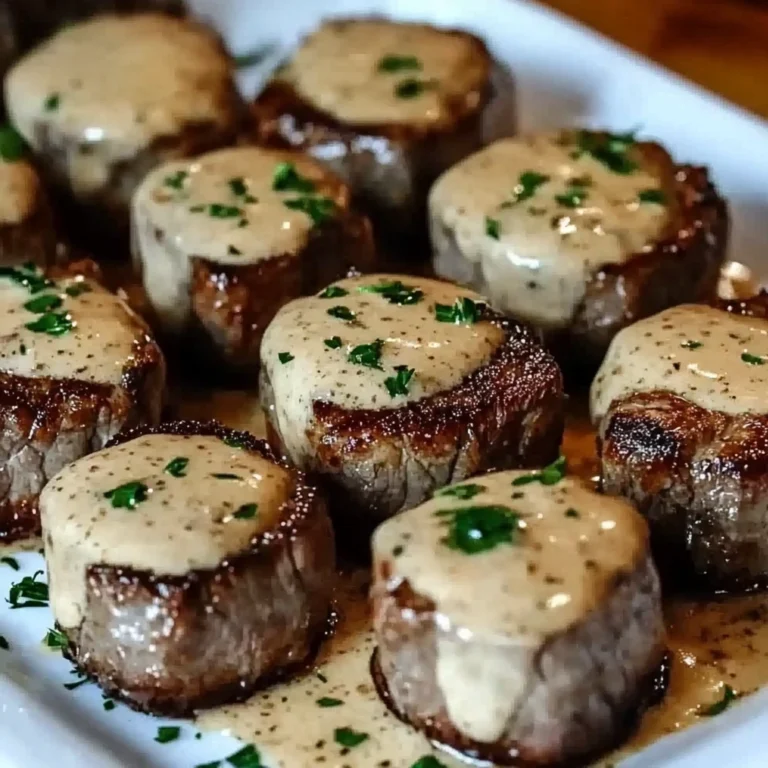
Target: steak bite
(391,386)
(518,618)
(104,101)
(388,106)
(682,411)
(579,233)
(224,240)
(76,366)
(187,566)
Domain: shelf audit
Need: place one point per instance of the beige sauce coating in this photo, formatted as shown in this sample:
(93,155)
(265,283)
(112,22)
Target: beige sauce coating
(20,191)
(440,354)
(194,521)
(169,227)
(98,348)
(340,69)
(537,265)
(712,358)
(117,83)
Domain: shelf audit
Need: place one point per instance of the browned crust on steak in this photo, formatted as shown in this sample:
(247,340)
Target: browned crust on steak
(506,414)
(197,663)
(682,267)
(47,423)
(754,306)
(390,166)
(700,477)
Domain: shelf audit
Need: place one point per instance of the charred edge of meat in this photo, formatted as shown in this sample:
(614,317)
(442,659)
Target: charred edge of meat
(754,306)
(233,304)
(688,470)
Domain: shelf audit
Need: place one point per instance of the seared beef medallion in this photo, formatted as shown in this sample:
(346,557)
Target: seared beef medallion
(390,387)
(224,240)
(187,566)
(76,366)
(579,233)
(518,618)
(389,106)
(681,403)
(104,101)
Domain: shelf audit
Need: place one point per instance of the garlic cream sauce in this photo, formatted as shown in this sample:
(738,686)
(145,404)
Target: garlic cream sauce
(534,218)
(203,501)
(343,349)
(374,71)
(115,83)
(715,359)
(97,338)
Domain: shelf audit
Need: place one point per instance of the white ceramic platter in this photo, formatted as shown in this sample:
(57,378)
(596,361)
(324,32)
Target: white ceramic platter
(565,75)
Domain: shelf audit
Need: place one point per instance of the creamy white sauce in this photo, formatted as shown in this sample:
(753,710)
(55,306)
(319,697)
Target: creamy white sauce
(546,252)
(570,546)
(169,228)
(116,83)
(337,69)
(441,354)
(186,523)
(99,347)
(20,191)
(692,351)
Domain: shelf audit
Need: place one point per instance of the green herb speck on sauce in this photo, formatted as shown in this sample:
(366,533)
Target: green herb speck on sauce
(467,491)
(368,355)
(333,343)
(752,359)
(52,103)
(399,383)
(284,357)
(246,512)
(492,228)
(128,495)
(550,475)
(477,529)
(327,701)
(332,292)
(349,738)
(393,62)
(342,313)
(177,467)
(729,696)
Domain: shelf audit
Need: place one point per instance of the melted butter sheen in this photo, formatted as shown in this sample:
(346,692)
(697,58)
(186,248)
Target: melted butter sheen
(693,351)
(20,191)
(546,252)
(337,69)
(97,349)
(441,354)
(186,523)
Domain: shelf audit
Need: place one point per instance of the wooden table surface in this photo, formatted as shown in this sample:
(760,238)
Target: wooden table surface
(721,44)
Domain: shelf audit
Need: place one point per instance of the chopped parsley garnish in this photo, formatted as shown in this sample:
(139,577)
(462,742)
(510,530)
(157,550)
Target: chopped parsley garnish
(54,638)
(28,276)
(411,88)
(394,63)
(76,289)
(212,764)
(247,757)
(550,475)
(691,344)
(395,292)
(527,184)
(729,695)
(368,355)
(12,145)
(226,476)
(166,733)
(398,384)
(108,705)
(52,323)
(232,251)
(11,562)
(284,357)
(571,512)
(492,227)
(573,197)
(333,343)
(77,683)
(219,211)
(319,209)
(233,442)
(428,761)
(463,311)
(478,529)
(246,512)
(287,179)
(341,313)
(610,149)
(52,103)
(348,737)
(128,495)
(332,292)
(752,359)
(652,196)
(468,491)
(251,58)
(34,593)
(43,303)
(177,467)
(327,701)
(238,186)
(176,180)
(4,644)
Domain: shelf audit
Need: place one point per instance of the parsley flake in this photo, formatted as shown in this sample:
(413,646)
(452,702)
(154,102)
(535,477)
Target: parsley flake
(571,512)
(284,357)
(332,292)
(348,737)
(246,512)
(12,145)
(128,495)
(610,149)
(54,638)
(77,289)
(4,644)
(11,562)
(327,701)
(752,359)
(233,442)
(573,197)
(34,593)
(394,291)
(550,475)
(398,384)
(166,733)
(393,62)
(219,211)
(176,180)
(29,276)
(468,491)
(319,209)
(251,58)
(729,696)
(333,343)
(77,683)
(527,184)
(232,251)
(368,355)
(225,476)
(411,88)
(479,529)
(691,344)
(652,196)
(52,323)
(52,103)
(108,705)
(238,186)
(428,761)
(342,313)
(287,179)
(177,467)
(247,757)
(492,227)
(463,311)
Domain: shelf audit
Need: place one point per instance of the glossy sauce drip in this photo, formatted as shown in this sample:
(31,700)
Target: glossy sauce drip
(440,354)
(208,511)
(715,359)
(20,191)
(537,264)
(98,348)
(341,70)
